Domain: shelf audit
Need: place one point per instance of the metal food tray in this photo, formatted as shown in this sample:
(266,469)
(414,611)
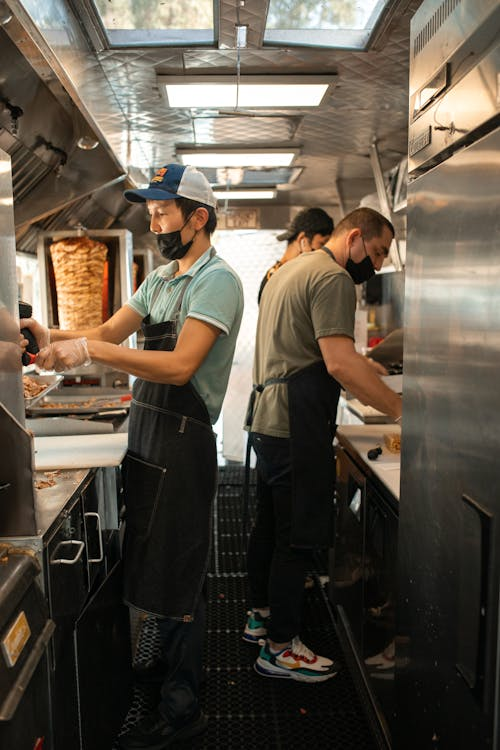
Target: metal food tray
(51,381)
(70,404)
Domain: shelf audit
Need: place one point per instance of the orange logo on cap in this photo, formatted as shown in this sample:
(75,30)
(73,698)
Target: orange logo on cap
(159,175)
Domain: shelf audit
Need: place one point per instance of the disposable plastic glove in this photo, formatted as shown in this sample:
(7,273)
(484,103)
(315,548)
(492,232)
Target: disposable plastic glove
(64,355)
(39,331)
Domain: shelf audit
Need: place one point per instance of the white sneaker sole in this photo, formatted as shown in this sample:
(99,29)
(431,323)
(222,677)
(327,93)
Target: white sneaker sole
(266,669)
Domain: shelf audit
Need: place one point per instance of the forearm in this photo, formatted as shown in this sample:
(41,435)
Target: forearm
(363,382)
(96,334)
(156,366)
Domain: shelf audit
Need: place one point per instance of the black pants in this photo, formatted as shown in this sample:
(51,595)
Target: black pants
(182,650)
(276,571)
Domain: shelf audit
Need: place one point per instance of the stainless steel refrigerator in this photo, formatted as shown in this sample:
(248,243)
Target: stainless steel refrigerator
(447,676)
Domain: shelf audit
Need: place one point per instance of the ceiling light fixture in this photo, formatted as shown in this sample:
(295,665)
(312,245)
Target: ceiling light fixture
(277,92)
(245,195)
(237,157)
(241,34)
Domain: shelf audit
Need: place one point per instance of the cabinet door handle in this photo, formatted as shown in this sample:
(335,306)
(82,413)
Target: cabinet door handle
(477,681)
(99,535)
(73,543)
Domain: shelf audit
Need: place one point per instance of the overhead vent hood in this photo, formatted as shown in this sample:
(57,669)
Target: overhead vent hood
(40,131)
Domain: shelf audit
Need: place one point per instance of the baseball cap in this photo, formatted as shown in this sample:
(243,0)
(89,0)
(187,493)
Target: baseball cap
(175,181)
(309,220)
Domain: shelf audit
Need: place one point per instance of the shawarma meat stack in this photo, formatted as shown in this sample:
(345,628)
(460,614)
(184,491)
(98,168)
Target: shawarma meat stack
(79,269)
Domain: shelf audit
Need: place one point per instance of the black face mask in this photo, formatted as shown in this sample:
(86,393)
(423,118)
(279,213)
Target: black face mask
(170,244)
(360,272)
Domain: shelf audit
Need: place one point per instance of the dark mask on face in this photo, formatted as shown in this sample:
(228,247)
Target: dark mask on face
(170,244)
(360,272)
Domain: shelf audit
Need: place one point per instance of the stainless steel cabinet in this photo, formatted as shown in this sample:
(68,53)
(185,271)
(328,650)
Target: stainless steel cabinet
(363,567)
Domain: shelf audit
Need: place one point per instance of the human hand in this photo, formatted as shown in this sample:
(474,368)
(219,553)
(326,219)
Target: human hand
(64,355)
(39,331)
(377,366)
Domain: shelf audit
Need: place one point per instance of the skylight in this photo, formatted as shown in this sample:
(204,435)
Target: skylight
(157,22)
(322,23)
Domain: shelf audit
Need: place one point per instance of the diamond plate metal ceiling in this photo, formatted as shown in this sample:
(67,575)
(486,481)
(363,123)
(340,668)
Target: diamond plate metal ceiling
(119,89)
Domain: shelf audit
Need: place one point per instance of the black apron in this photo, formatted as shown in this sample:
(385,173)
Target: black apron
(312,410)
(169,478)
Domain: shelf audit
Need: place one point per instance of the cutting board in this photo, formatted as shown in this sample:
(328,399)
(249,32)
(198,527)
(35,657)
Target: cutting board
(79,451)
(50,426)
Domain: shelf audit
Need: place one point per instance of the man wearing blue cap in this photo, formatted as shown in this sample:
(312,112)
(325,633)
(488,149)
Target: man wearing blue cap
(190,311)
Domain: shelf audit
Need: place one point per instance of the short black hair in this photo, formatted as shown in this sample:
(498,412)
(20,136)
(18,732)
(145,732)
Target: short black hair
(311,221)
(187,207)
(371,223)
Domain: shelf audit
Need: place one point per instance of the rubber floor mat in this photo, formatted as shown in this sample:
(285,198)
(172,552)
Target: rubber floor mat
(246,710)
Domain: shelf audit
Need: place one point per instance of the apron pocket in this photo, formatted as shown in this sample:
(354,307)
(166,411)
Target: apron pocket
(143,485)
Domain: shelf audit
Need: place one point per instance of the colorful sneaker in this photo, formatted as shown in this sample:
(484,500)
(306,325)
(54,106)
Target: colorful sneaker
(295,662)
(255,627)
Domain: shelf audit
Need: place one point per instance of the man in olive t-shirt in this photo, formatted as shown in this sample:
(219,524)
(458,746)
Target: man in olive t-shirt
(305,332)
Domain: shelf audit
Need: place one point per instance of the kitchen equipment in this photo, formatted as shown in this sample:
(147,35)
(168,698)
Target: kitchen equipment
(117,289)
(74,400)
(367,414)
(447,646)
(26,311)
(77,547)
(50,426)
(79,451)
(25,631)
(48,381)
(17,495)
(11,393)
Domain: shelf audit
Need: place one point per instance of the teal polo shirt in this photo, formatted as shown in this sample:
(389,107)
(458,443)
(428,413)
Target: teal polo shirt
(214,295)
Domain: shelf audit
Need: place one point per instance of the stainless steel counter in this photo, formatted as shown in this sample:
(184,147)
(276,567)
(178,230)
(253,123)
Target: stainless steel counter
(49,502)
(359,439)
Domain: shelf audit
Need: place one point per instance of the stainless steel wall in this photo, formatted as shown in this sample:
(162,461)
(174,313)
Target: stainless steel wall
(449,537)
(10,355)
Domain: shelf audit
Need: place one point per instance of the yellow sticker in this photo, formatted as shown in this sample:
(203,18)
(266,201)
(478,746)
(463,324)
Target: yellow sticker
(16,639)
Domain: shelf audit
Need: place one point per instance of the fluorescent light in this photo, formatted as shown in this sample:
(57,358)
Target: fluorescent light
(245,195)
(241,31)
(234,158)
(252,91)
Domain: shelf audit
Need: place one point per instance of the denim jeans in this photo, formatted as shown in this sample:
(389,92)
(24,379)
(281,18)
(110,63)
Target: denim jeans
(276,570)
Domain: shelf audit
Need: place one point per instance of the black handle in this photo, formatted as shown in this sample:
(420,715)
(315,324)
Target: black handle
(477,679)
(25,311)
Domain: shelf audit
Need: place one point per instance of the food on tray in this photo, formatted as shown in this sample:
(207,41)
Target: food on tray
(87,404)
(393,442)
(31,388)
(79,271)
(50,481)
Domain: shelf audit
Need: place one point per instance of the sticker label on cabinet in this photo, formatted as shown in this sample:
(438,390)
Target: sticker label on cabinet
(15,640)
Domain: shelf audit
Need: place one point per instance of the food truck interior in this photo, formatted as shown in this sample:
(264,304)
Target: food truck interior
(284,105)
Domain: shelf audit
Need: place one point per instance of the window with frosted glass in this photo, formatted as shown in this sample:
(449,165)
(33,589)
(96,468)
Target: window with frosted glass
(329,23)
(157,22)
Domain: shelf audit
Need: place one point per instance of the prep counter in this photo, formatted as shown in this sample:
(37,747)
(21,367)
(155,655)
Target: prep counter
(77,509)
(363,562)
(357,440)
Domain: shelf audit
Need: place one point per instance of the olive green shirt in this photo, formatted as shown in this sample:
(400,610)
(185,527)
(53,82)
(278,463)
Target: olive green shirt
(308,298)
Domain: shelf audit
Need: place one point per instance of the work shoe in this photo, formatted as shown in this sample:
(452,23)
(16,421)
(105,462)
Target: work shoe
(149,672)
(154,732)
(255,627)
(295,662)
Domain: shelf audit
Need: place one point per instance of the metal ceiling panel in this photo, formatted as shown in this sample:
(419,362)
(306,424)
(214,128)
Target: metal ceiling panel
(119,88)
(236,128)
